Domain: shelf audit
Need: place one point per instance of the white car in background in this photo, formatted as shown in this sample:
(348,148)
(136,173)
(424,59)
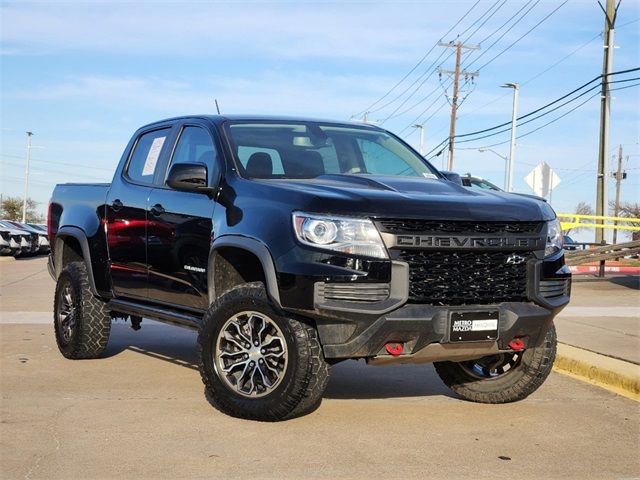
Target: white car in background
(13,241)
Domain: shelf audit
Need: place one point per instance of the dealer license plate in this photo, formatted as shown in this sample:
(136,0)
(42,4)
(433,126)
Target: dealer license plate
(475,326)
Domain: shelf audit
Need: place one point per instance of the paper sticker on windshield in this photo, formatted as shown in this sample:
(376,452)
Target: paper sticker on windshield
(430,175)
(152,156)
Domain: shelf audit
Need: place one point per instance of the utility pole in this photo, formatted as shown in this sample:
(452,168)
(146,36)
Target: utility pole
(456,85)
(26,178)
(605,111)
(512,150)
(619,175)
(421,127)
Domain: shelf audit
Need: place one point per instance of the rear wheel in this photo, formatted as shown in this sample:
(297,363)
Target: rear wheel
(502,378)
(255,362)
(81,321)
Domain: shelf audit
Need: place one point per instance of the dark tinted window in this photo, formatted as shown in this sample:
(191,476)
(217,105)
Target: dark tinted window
(146,154)
(308,149)
(196,146)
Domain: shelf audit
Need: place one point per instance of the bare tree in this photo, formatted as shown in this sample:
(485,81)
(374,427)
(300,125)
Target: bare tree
(629,210)
(583,208)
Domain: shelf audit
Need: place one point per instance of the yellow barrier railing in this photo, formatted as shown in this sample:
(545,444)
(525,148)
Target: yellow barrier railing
(575,221)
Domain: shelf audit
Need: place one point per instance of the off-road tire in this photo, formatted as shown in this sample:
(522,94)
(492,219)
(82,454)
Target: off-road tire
(511,386)
(92,320)
(306,375)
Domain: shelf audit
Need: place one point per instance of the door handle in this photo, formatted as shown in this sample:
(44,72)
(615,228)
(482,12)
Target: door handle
(116,205)
(157,210)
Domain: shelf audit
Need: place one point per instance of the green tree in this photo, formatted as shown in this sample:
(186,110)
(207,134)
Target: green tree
(11,209)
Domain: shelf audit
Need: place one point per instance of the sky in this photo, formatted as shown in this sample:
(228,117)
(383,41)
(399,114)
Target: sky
(83,76)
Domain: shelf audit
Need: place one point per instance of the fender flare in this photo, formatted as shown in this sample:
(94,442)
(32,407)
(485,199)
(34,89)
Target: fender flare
(253,246)
(78,234)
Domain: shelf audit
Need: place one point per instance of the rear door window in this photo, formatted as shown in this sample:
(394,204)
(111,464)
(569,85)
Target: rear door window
(145,156)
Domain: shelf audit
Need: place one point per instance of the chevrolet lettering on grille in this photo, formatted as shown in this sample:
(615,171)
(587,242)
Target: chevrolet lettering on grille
(463,242)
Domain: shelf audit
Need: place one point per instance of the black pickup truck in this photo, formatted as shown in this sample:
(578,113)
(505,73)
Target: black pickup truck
(293,244)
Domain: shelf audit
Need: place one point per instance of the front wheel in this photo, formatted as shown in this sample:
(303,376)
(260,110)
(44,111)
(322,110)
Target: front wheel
(502,378)
(256,363)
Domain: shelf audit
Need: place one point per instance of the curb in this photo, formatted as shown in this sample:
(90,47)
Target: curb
(616,375)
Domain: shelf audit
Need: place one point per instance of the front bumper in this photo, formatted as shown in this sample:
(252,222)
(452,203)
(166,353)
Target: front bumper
(417,327)
(350,327)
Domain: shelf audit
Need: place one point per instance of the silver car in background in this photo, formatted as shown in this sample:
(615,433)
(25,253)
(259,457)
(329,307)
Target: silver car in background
(14,241)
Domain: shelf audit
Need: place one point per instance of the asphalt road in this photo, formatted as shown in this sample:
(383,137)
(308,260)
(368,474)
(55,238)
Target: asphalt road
(141,412)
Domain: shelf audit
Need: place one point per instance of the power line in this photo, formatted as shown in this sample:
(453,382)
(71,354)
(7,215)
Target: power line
(46,170)
(595,79)
(506,22)
(552,110)
(547,69)
(506,31)
(549,122)
(92,167)
(424,57)
(544,19)
(446,140)
(485,20)
(444,104)
(429,72)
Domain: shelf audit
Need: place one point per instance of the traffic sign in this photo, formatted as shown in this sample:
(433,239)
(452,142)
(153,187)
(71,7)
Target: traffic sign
(542,179)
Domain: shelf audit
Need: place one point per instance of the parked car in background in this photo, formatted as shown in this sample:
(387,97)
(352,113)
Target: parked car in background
(14,241)
(43,238)
(570,243)
(477,182)
(38,237)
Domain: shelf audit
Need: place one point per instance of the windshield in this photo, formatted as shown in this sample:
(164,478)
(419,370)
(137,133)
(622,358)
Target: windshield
(309,149)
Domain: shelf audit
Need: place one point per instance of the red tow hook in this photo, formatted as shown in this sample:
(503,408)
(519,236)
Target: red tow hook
(516,344)
(394,349)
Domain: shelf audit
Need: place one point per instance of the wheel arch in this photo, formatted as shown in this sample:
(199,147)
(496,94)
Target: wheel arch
(72,245)
(227,251)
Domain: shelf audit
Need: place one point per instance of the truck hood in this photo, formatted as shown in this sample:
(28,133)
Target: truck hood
(406,197)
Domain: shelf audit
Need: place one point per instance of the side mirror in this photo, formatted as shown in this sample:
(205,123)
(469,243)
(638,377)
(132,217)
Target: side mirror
(452,177)
(188,177)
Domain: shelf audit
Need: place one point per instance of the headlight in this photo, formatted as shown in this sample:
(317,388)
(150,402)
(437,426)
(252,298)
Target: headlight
(554,238)
(357,236)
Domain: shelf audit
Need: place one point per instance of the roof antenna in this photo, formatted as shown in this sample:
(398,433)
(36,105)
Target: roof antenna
(217,107)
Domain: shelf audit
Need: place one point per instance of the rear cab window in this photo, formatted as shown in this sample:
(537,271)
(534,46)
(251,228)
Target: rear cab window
(145,157)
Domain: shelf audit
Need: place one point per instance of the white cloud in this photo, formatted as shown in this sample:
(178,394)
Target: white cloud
(303,93)
(277,30)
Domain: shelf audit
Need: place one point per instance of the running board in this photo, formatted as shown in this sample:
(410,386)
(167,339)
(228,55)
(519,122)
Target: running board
(164,315)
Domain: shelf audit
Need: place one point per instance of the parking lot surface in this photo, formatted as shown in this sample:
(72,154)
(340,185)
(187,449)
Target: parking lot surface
(141,412)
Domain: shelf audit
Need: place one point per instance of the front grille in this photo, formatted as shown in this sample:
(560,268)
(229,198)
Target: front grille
(353,292)
(439,226)
(465,278)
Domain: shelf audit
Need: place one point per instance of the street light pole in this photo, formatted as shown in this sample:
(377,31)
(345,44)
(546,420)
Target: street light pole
(512,150)
(26,178)
(421,127)
(506,165)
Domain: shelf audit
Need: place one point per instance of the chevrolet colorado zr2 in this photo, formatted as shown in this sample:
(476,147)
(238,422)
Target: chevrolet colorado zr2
(293,244)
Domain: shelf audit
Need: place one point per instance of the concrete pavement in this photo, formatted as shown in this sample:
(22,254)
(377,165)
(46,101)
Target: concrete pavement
(141,411)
